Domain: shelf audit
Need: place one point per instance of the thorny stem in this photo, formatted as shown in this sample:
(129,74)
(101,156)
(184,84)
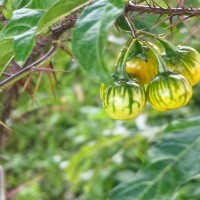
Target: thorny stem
(19,75)
(160,10)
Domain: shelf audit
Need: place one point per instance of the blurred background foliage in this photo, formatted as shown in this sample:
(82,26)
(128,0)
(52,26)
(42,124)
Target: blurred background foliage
(68,148)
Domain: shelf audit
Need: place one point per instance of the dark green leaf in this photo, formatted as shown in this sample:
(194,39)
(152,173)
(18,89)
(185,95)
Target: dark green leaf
(59,10)
(142,23)
(172,161)
(22,27)
(90,36)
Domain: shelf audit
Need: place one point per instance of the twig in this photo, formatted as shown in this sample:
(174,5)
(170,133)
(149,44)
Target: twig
(159,10)
(19,75)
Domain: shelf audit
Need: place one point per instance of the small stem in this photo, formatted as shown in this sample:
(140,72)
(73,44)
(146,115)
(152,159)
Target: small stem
(131,26)
(162,67)
(120,71)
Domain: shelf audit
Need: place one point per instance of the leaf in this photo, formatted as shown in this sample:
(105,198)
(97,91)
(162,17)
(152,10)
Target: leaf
(58,11)
(34,4)
(6,54)
(90,36)
(22,28)
(173,160)
(7,9)
(82,161)
(145,23)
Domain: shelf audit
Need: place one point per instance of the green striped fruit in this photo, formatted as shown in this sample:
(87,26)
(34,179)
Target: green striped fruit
(143,69)
(123,101)
(169,91)
(187,63)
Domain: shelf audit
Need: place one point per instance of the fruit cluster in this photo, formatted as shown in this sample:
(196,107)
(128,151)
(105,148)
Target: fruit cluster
(144,74)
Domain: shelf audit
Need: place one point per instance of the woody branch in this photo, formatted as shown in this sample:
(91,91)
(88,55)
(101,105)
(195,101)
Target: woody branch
(184,11)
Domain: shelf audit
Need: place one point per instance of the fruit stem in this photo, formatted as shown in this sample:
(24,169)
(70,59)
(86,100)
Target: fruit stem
(131,26)
(121,63)
(162,67)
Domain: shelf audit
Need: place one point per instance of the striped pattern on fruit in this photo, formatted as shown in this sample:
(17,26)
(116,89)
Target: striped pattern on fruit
(169,91)
(124,100)
(187,63)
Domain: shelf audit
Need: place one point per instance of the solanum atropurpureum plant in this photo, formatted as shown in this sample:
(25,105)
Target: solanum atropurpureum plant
(166,90)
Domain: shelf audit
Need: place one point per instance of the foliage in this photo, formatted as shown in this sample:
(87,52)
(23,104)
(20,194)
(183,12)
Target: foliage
(63,144)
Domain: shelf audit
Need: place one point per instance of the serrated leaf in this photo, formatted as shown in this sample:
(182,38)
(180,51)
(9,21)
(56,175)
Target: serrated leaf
(173,160)
(6,54)
(22,28)
(90,36)
(59,10)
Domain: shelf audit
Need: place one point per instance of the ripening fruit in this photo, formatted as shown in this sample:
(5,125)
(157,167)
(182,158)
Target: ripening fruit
(124,100)
(187,63)
(143,70)
(168,91)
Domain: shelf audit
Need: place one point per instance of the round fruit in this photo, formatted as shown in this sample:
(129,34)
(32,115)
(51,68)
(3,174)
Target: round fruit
(169,91)
(187,63)
(144,69)
(124,100)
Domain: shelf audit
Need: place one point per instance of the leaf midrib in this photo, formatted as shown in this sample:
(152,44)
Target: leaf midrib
(168,167)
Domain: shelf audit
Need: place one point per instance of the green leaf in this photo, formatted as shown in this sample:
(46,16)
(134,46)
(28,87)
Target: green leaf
(90,36)
(58,11)
(173,160)
(6,54)
(145,23)
(22,28)
(34,4)
(7,9)
(82,161)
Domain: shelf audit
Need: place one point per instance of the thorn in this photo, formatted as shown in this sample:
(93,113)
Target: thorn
(67,51)
(171,28)
(178,22)
(6,126)
(54,74)
(148,3)
(192,33)
(117,27)
(189,5)
(52,86)
(48,70)
(37,85)
(166,3)
(27,82)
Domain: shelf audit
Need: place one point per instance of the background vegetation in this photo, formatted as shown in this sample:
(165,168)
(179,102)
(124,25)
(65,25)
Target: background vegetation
(64,146)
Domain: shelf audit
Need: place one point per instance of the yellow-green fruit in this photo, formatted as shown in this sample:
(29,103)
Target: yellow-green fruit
(168,91)
(123,101)
(187,63)
(143,70)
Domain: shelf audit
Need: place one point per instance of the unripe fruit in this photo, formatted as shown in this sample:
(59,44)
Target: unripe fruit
(186,62)
(143,69)
(168,91)
(124,100)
